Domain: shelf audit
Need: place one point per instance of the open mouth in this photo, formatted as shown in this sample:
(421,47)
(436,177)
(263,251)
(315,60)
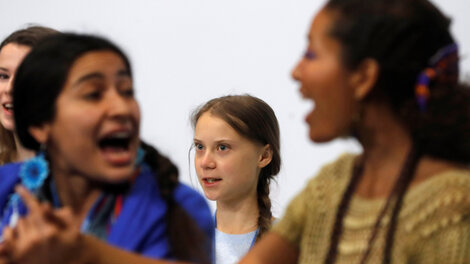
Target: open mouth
(116,147)
(211,180)
(116,141)
(8,107)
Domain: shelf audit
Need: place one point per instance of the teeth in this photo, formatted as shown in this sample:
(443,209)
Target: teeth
(8,106)
(121,135)
(211,180)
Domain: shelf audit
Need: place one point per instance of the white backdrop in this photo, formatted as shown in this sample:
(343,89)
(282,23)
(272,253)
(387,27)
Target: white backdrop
(185,52)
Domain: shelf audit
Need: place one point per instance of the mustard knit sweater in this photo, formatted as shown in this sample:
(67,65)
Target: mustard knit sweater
(433,224)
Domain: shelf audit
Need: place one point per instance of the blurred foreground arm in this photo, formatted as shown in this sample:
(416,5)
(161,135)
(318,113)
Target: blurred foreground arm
(272,249)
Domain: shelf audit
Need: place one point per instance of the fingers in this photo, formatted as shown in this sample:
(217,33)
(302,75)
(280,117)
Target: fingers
(29,200)
(40,213)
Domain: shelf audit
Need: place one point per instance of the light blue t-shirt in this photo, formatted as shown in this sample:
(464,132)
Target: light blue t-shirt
(230,248)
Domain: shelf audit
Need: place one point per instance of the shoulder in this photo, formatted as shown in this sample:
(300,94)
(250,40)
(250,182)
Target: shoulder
(193,202)
(335,174)
(9,177)
(196,206)
(10,169)
(438,203)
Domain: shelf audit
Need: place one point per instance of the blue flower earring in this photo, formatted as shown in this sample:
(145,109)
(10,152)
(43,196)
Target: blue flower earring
(34,171)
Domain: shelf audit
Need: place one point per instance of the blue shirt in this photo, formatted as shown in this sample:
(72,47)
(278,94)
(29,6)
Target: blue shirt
(141,226)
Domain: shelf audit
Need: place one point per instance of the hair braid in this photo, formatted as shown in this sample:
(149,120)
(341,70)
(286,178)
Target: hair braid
(403,184)
(342,209)
(184,235)
(264,205)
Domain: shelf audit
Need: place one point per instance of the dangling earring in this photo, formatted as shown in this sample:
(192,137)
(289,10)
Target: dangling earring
(140,156)
(34,171)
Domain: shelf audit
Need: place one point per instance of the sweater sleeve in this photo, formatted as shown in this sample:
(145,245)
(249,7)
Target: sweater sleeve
(291,225)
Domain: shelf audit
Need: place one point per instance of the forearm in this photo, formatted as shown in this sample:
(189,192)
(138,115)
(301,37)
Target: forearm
(272,249)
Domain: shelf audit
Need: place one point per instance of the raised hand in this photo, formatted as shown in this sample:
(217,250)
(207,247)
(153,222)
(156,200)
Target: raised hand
(45,235)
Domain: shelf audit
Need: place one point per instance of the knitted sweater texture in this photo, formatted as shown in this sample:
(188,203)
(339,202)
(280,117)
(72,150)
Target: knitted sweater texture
(433,224)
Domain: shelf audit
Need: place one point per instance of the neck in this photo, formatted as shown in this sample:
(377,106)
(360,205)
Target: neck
(75,192)
(22,153)
(238,217)
(386,144)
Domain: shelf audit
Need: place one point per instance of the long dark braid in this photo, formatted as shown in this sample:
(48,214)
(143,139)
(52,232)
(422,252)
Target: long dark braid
(403,184)
(398,191)
(187,240)
(342,209)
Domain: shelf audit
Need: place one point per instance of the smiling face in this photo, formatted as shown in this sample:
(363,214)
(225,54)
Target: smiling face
(326,82)
(227,164)
(95,131)
(11,56)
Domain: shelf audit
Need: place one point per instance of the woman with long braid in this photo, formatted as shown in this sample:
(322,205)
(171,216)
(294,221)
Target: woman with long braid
(386,73)
(94,193)
(237,154)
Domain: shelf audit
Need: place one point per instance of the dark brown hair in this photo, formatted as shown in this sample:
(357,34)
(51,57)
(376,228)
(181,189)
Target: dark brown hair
(255,120)
(27,37)
(402,36)
(35,93)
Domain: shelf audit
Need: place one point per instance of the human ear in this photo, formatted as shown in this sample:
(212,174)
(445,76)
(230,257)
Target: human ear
(364,78)
(266,156)
(40,133)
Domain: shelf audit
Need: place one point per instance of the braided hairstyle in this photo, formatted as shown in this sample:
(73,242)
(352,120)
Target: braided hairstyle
(26,37)
(255,120)
(35,93)
(402,36)
(187,240)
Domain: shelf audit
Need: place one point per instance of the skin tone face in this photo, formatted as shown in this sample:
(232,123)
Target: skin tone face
(11,56)
(227,164)
(324,80)
(95,132)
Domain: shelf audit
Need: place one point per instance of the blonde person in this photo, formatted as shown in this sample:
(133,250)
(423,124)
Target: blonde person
(386,73)
(237,154)
(12,51)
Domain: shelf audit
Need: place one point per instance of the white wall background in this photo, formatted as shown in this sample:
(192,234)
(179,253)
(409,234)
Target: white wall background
(185,52)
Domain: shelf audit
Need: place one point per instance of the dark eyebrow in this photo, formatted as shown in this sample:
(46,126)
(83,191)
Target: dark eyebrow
(4,69)
(124,72)
(93,75)
(98,75)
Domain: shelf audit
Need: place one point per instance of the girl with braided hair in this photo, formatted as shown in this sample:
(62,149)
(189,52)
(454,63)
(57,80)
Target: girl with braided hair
(386,73)
(94,193)
(236,140)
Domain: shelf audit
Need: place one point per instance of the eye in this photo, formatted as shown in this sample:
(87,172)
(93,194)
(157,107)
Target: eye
(222,147)
(4,76)
(198,146)
(128,92)
(309,55)
(94,95)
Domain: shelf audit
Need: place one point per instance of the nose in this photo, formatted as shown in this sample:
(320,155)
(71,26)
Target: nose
(120,106)
(9,85)
(296,72)
(207,161)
